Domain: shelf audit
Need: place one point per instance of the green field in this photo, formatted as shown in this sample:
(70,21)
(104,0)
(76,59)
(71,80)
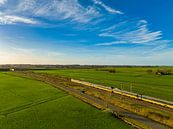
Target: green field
(30,104)
(159,86)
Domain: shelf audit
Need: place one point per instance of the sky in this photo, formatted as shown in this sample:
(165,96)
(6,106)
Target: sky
(100,32)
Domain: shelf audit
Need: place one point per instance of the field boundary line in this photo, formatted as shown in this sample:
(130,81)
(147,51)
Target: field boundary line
(29,105)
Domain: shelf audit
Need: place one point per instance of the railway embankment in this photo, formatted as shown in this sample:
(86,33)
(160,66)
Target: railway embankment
(157,112)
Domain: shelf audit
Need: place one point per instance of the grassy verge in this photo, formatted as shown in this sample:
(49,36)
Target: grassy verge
(156,114)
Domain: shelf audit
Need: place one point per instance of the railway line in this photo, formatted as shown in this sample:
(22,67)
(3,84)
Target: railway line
(144,98)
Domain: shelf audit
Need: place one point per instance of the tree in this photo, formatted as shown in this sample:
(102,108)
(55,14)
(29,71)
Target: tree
(163,72)
(149,71)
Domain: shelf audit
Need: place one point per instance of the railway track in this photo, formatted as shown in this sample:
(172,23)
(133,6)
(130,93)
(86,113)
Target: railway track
(144,98)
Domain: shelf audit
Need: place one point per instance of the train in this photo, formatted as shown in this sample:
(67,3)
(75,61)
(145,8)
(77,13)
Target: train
(141,97)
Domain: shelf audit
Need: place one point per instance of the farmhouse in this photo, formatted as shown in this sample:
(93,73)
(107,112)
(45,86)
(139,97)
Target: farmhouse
(12,69)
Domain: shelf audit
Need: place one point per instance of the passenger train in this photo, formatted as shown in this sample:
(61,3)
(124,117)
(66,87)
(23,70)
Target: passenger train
(148,99)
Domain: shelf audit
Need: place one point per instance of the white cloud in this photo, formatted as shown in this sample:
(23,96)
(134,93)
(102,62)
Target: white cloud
(59,10)
(55,10)
(142,22)
(2,2)
(113,27)
(26,5)
(156,49)
(107,8)
(11,19)
(138,35)
(110,43)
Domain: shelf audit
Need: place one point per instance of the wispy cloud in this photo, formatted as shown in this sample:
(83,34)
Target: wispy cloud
(107,8)
(158,47)
(59,10)
(155,49)
(138,35)
(12,19)
(2,2)
(70,10)
(110,43)
(115,26)
(70,35)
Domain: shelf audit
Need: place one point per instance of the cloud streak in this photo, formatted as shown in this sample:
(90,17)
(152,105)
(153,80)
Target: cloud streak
(138,35)
(110,43)
(2,2)
(56,10)
(11,19)
(59,10)
(107,8)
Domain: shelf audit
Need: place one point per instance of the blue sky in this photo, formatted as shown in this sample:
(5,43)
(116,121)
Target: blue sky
(113,32)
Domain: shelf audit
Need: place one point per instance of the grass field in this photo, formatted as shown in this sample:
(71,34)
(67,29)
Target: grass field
(30,104)
(159,86)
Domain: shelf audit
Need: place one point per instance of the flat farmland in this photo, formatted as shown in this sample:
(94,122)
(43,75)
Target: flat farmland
(31,104)
(139,80)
